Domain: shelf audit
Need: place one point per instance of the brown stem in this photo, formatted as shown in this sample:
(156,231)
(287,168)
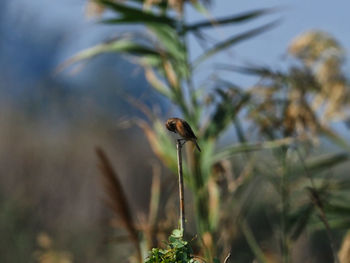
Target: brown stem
(181,186)
(315,198)
(227,257)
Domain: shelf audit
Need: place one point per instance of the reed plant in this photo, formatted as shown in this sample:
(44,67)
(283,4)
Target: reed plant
(271,162)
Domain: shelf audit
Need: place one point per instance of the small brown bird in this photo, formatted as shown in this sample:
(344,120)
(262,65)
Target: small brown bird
(182,128)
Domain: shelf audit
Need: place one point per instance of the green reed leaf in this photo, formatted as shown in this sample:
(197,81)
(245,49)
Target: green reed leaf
(240,18)
(233,41)
(134,15)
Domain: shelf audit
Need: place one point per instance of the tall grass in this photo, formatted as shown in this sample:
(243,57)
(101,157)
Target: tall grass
(286,115)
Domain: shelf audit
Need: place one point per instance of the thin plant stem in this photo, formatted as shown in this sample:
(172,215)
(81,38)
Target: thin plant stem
(227,257)
(284,195)
(247,231)
(253,244)
(285,206)
(181,186)
(318,203)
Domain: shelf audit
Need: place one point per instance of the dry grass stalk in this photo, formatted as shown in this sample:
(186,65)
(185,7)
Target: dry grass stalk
(315,198)
(117,199)
(227,258)
(181,187)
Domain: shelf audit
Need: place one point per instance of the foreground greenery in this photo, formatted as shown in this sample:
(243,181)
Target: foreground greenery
(178,250)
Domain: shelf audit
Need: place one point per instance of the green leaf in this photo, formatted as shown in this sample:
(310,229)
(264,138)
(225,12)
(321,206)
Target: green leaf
(338,210)
(150,61)
(325,162)
(118,46)
(178,250)
(231,102)
(175,50)
(135,15)
(253,70)
(233,41)
(156,83)
(206,160)
(248,147)
(299,220)
(334,223)
(244,17)
(169,39)
(177,233)
(334,137)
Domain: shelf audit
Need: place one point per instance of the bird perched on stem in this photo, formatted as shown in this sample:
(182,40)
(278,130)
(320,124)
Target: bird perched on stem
(182,128)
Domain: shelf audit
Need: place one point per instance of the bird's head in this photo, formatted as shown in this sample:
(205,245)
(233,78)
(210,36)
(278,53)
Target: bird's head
(171,124)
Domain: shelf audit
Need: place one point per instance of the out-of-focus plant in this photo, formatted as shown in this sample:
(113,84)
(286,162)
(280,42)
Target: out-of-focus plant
(164,54)
(279,106)
(323,56)
(178,250)
(48,254)
(309,96)
(303,102)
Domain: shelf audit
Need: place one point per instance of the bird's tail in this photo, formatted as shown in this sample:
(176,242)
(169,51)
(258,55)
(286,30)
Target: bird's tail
(195,142)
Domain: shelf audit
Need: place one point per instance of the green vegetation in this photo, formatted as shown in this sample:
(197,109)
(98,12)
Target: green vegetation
(177,250)
(272,169)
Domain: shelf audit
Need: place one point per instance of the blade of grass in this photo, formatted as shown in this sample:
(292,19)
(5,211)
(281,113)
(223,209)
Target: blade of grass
(253,244)
(156,83)
(248,147)
(234,40)
(316,199)
(168,38)
(327,161)
(319,204)
(119,45)
(240,18)
(299,220)
(117,199)
(225,111)
(135,15)
(253,70)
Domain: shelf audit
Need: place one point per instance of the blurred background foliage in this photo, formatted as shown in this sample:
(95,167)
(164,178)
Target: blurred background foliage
(269,186)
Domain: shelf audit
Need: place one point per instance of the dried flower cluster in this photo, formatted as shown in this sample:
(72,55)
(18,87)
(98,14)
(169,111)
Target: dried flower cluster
(311,94)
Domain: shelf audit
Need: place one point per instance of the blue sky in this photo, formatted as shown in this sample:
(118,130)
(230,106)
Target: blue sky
(267,49)
(297,16)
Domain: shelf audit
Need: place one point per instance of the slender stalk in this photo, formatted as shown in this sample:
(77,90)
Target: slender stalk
(253,244)
(284,215)
(181,186)
(323,218)
(319,204)
(227,257)
(285,202)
